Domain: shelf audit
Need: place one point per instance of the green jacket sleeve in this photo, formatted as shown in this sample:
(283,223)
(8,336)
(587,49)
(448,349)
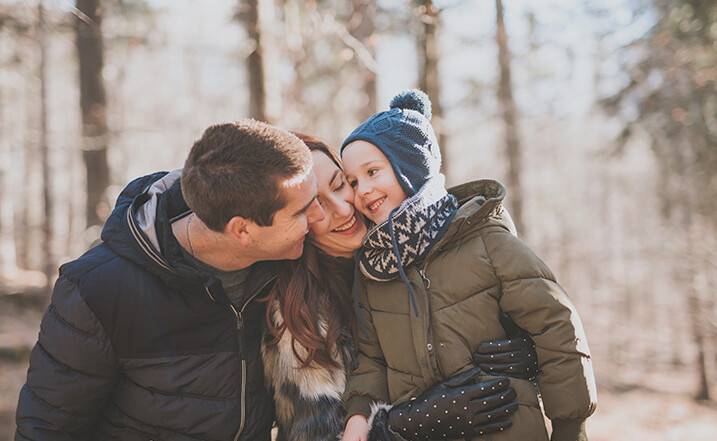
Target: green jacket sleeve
(367,382)
(531,296)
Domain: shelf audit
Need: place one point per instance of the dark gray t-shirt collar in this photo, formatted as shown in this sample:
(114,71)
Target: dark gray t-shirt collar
(233,282)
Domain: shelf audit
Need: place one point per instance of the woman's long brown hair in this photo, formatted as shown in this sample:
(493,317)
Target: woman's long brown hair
(312,293)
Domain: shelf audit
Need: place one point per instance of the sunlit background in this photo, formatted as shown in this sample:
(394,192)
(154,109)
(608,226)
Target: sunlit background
(599,116)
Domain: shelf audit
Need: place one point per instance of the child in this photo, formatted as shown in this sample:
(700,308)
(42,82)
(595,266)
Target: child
(440,268)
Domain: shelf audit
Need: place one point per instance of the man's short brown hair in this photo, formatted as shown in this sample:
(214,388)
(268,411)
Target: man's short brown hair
(235,169)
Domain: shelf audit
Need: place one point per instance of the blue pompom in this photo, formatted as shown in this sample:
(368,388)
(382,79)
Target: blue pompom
(412,99)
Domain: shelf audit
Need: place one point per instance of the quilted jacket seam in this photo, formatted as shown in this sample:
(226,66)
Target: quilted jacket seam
(68,367)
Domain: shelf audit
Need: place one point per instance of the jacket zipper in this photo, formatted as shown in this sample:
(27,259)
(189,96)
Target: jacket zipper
(242,378)
(426,280)
(431,348)
(240,326)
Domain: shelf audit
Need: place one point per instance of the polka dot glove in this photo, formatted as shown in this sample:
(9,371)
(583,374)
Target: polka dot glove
(514,357)
(461,407)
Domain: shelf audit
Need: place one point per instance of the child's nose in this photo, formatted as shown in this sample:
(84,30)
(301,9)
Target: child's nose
(362,189)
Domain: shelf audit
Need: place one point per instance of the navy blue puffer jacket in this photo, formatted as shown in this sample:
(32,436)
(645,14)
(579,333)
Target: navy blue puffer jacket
(137,345)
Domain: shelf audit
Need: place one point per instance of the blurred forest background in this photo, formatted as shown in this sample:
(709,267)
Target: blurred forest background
(599,116)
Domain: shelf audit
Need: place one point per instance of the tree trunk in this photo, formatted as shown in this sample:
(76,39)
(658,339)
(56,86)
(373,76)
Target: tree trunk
(8,262)
(27,154)
(250,11)
(696,312)
(6,246)
(687,276)
(4,255)
(47,224)
(362,25)
(71,201)
(509,112)
(93,103)
(428,66)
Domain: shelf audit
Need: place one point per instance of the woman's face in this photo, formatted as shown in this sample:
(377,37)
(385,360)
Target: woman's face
(370,174)
(341,231)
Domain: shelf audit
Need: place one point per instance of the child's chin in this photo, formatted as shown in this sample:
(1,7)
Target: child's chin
(379,219)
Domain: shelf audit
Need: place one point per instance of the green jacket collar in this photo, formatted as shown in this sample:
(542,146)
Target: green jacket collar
(480,202)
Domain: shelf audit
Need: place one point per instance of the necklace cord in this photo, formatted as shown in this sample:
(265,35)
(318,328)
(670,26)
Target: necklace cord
(189,238)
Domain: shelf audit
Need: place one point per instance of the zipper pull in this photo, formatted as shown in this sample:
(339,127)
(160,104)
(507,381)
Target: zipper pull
(425,278)
(237,314)
(240,322)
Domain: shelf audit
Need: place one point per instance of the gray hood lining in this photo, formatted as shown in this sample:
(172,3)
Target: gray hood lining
(147,213)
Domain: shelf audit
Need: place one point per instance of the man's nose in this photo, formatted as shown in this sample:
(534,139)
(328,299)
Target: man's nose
(315,213)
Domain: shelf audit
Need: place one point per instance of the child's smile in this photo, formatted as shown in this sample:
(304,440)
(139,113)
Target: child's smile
(373,206)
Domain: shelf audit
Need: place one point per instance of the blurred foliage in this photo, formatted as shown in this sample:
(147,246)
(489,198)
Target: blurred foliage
(133,22)
(671,96)
(328,62)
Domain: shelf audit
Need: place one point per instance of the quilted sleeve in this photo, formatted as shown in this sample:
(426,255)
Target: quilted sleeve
(72,372)
(537,303)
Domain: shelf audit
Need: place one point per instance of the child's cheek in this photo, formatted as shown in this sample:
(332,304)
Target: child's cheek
(360,207)
(358,203)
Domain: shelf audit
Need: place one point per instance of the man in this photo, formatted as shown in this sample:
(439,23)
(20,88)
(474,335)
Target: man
(153,334)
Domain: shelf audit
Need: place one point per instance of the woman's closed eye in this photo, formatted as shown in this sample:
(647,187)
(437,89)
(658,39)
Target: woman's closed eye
(341,183)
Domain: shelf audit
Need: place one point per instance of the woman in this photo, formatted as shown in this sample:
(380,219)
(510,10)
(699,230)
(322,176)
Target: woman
(309,348)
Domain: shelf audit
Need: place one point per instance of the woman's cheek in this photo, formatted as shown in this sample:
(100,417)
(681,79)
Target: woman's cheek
(349,195)
(319,228)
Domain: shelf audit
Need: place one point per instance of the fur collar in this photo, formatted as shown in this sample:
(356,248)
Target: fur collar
(313,381)
(307,400)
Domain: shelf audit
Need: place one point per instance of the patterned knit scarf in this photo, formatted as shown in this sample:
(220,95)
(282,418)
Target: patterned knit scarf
(408,234)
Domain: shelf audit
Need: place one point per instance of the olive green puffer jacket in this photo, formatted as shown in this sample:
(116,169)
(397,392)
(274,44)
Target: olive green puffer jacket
(476,270)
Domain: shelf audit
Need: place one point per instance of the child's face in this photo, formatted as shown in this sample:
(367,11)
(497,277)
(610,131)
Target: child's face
(377,190)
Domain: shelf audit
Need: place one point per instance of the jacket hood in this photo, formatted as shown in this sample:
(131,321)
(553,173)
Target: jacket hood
(130,230)
(121,231)
(140,230)
(480,202)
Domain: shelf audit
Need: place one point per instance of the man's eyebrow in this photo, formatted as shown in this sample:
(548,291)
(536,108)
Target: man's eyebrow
(305,207)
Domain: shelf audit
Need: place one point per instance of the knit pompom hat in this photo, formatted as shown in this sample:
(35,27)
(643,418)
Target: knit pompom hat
(405,135)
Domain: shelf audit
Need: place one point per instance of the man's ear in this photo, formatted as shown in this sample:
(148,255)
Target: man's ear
(239,228)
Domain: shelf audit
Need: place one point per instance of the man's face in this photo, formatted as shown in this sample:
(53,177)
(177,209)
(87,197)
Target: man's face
(284,238)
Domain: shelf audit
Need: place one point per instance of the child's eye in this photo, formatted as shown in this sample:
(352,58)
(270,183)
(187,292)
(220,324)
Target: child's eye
(352,182)
(372,171)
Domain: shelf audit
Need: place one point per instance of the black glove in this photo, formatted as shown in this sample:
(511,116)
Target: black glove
(514,357)
(460,407)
